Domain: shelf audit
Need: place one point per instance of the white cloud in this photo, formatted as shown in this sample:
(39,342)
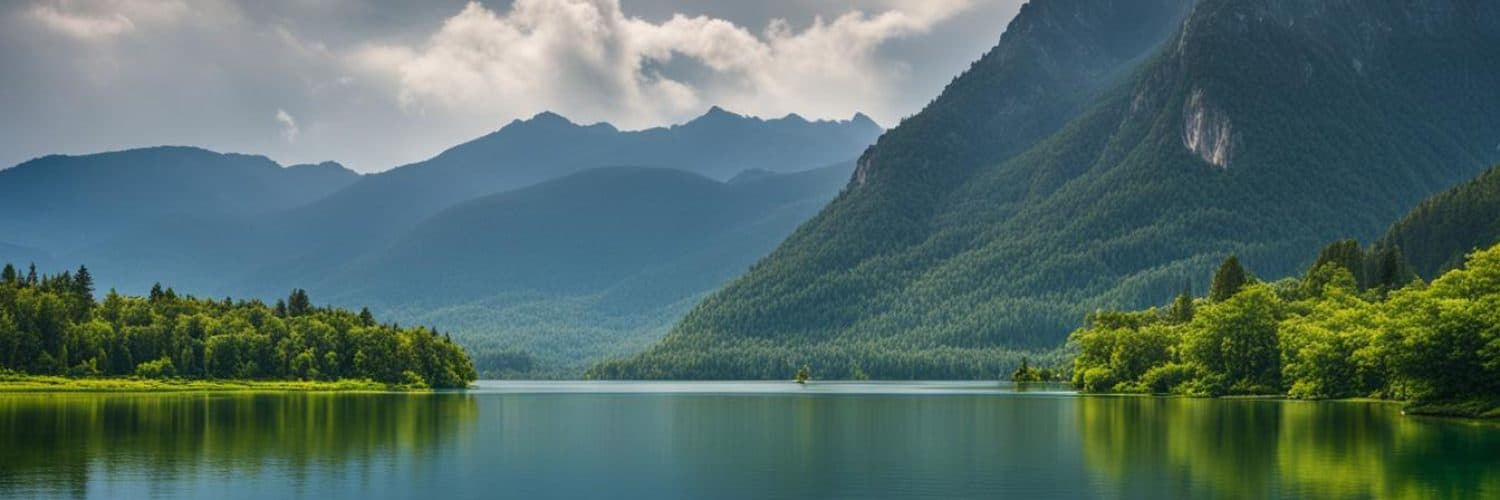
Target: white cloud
(103,19)
(289,130)
(588,60)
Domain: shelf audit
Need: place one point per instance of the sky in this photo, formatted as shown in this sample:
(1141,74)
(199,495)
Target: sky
(378,84)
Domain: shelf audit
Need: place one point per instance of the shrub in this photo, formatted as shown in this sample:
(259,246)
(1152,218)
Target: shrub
(161,368)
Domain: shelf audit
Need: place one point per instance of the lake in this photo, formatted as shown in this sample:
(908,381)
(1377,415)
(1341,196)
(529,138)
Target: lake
(731,441)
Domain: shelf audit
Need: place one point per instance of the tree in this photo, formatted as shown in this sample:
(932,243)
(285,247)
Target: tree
(297,304)
(83,283)
(1227,280)
(803,375)
(1026,373)
(1235,343)
(1346,254)
(45,330)
(8,276)
(1182,306)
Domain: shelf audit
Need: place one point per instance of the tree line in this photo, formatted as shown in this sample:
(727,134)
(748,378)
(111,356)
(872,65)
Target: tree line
(52,324)
(1358,324)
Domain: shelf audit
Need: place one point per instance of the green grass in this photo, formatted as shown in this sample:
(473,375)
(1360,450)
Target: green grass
(10,382)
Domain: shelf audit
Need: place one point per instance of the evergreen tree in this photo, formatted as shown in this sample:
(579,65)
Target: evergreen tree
(297,304)
(1227,280)
(83,283)
(31,275)
(156,293)
(365,317)
(8,276)
(1182,306)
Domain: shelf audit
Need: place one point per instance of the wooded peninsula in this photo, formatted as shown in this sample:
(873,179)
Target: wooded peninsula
(51,325)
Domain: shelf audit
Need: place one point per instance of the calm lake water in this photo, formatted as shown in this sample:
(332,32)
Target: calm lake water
(729,441)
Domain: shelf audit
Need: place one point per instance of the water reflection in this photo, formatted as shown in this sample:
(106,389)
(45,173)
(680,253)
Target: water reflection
(66,444)
(1267,449)
(731,441)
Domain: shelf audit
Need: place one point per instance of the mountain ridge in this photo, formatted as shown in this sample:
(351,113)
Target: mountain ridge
(1258,128)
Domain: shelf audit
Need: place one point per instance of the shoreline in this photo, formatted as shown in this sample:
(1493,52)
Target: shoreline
(1470,410)
(12,383)
(41,384)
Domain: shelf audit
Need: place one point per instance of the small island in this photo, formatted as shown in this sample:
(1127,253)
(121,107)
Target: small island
(54,336)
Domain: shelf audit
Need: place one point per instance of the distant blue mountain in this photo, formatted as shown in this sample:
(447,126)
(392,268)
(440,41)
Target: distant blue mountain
(572,242)
(58,203)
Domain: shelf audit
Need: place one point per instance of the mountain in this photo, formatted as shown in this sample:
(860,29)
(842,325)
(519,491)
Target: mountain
(261,253)
(1437,235)
(548,245)
(1101,156)
(718,144)
(58,203)
(594,264)
(382,206)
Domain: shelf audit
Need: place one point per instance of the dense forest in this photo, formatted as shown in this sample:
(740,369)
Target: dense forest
(52,324)
(1437,235)
(1101,155)
(1339,331)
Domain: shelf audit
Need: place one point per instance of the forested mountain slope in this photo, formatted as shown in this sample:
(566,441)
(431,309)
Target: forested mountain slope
(1101,156)
(1442,231)
(594,264)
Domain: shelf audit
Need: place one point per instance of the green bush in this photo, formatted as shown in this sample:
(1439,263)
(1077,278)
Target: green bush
(1169,378)
(158,369)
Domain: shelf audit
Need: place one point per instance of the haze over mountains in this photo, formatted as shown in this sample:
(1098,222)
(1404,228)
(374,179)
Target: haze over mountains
(626,205)
(1104,155)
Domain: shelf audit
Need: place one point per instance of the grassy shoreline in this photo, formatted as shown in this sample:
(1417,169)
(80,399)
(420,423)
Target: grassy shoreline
(15,383)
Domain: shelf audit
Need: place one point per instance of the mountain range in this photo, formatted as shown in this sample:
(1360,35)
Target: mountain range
(1106,155)
(542,229)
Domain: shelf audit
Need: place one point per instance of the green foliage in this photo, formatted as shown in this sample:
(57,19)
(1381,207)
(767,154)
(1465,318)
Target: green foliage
(157,369)
(803,374)
(1028,194)
(1437,235)
(52,325)
(1425,343)
(1027,373)
(1228,280)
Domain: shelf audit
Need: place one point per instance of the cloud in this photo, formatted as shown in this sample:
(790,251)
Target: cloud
(289,130)
(587,59)
(104,19)
(380,83)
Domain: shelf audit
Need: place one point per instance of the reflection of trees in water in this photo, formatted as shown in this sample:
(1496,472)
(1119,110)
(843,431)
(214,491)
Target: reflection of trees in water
(1266,449)
(50,442)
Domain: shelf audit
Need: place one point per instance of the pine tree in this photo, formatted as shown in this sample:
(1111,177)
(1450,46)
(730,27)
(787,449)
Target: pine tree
(366,318)
(1227,280)
(297,303)
(1182,307)
(156,293)
(31,276)
(83,283)
(8,276)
